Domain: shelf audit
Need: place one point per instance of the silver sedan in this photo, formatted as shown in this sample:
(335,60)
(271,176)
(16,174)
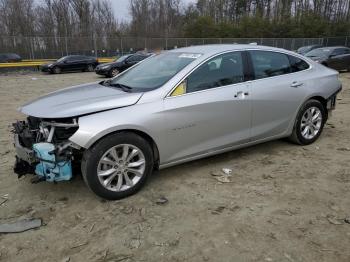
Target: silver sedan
(173,107)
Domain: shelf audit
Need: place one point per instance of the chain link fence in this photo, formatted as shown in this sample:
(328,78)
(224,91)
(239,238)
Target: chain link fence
(55,47)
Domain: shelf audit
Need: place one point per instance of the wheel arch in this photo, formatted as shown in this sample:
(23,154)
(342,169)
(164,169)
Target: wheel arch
(322,100)
(142,134)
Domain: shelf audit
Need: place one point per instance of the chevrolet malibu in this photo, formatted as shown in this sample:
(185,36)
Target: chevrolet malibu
(171,108)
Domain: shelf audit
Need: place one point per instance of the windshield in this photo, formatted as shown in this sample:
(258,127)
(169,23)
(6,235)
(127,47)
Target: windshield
(154,71)
(304,49)
(61,59)
(122,58)
(319,52)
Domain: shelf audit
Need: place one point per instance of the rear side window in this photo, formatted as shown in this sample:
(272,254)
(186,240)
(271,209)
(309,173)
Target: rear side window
(340,51)
(222,70)
(297,64)
(267,64)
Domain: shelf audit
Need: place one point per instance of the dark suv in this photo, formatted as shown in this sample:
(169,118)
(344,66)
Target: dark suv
(120,64)
(71,63)
(8,58)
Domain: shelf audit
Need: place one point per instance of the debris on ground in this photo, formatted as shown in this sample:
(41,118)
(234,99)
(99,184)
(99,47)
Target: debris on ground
(79,245)
(344,149)
(162,200)
(135,243)
(334,221)
(5,153)
(227,171)
(267,176)
(120,257)
(20,225)
(347,220)
(3,201)
(218,210)
(126,210)
(92,227)
(105,254)
(222,177)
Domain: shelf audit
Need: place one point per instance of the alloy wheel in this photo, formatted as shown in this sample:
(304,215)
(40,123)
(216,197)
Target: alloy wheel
(114,72)
(311,122)
(121,167)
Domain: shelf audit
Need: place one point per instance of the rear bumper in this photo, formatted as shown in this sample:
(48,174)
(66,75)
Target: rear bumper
(332,100)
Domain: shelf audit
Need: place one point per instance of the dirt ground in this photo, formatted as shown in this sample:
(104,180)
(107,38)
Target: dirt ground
(285,202)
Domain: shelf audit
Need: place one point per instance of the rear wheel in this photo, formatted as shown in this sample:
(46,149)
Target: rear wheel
(90,68)
(118,165)
(309,123)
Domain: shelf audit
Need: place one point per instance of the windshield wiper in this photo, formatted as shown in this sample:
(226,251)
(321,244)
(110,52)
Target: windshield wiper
(125,88)
(108,82)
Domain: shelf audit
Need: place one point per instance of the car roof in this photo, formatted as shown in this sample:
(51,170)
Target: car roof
(219,48)
(332,47)
(9,54)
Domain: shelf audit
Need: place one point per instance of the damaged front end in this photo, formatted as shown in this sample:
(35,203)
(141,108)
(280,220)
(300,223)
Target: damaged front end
(43,148)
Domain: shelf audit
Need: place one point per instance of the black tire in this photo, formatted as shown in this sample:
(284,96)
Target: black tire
(56,70)
(92,156)
(113,72)
(89,68)
(297,136)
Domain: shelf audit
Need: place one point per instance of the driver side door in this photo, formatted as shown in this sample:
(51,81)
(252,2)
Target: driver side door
(210,110)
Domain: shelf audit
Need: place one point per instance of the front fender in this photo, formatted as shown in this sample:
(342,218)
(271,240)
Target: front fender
(140,117)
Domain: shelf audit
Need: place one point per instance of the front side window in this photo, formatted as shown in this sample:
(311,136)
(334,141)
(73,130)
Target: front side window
(268,64)
(222,70)
(297,64)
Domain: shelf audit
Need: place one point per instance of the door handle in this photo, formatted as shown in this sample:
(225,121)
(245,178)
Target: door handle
(241,94)
(296,84)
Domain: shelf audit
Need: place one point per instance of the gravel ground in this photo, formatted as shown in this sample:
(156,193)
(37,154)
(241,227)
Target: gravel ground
(284,202)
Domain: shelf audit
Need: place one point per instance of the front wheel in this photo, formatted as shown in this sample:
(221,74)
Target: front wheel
(309,123)
(118,165)
(56,70)
(113,72)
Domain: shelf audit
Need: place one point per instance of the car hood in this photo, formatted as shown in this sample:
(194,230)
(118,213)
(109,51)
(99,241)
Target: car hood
(79,100)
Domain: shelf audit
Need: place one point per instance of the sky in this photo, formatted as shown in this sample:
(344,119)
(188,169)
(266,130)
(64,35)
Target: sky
(121,8)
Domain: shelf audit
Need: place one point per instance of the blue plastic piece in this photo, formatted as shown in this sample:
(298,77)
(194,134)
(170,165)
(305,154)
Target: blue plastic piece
(48,168)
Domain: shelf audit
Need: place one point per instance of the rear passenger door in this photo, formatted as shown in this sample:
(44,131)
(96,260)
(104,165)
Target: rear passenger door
(279,86)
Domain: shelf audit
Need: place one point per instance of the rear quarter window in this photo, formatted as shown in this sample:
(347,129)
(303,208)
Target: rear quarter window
(297,64)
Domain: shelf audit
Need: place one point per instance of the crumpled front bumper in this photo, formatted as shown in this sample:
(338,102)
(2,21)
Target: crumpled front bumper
(25,159)
(24,153)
